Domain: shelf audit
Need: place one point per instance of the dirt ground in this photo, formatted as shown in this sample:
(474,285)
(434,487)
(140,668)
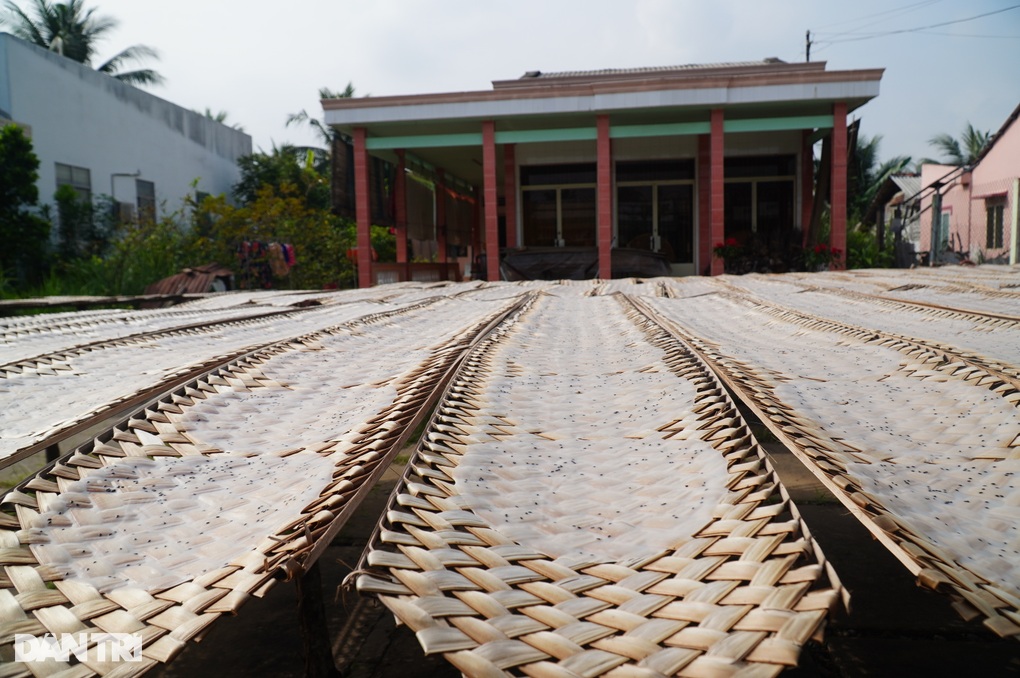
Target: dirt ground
(893,627)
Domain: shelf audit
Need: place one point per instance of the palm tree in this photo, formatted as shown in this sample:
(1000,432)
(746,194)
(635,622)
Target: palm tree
(73,31)
(962,151)
(221,117)
(867,174)
(323,131)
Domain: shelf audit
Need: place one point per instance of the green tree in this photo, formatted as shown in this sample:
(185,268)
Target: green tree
(962,151)
(24,234)
(278,214)
(299,168)
(73,31)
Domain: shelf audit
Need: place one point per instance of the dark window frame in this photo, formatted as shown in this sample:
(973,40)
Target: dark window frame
(995,220)
(78,178)
(146,202)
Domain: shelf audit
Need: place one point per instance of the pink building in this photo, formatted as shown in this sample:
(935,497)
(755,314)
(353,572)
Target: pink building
(978,215)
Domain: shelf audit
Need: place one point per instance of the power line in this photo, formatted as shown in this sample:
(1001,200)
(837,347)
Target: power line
(917,29)
(808,42)
(969,35)
(905,8)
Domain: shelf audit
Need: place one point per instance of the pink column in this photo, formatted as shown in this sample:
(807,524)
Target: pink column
(510,194)
(441,215)
(604,188)
(400,207)
(491,205)
(362,208)
(717,186)
(705,242)
(807,181)
(837,206)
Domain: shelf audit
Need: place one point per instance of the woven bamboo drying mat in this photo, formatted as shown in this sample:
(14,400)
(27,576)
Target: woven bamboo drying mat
(213,493)
(587,501)
(993,336)
(24,337)
(51,396)
(919,439)
(983,289)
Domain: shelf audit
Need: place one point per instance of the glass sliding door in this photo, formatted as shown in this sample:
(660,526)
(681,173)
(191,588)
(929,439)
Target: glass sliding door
(738,210)
(635,216)
(675,222)
(775,214)
(539,210)
(558,205)
(577,217)
(655,209)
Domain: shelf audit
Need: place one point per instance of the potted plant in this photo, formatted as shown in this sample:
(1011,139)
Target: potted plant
(729,251)
(821,257)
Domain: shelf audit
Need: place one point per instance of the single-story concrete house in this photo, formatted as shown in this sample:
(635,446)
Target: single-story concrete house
(105,137)
(976,212)
(672,160)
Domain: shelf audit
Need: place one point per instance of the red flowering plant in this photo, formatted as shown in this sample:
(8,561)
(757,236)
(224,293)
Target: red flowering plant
(729,249)
(821,257)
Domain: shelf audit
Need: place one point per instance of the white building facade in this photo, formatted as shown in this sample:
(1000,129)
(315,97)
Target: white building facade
(107,138)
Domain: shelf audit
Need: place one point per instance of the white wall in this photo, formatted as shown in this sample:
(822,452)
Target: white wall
(87,119)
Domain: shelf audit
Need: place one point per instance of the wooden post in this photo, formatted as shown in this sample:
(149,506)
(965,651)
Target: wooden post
(807,184)
(880,228)
(400,207)
(936,222)
(441,248)
(510,194)
(705,243)
(312,621)
(604,200)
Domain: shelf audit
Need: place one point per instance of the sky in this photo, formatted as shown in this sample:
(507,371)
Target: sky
(261,60)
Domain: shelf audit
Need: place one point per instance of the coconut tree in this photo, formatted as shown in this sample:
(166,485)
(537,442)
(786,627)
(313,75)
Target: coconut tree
(74,31)
(867,174)
(221,117)
(323,131)
(962,151)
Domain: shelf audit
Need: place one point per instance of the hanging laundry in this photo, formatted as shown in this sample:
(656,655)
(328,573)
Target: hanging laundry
(253,265)
(289,254)
(277,260)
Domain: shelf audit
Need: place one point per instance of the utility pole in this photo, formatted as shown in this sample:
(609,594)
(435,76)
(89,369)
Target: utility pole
(807,45)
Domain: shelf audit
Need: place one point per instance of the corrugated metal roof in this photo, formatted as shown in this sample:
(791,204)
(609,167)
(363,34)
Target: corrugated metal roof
(196,279)
(910,184)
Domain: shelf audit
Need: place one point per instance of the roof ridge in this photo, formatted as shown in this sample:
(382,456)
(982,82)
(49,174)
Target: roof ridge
(535,77)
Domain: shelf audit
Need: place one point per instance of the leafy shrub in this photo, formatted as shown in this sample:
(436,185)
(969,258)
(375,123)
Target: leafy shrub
(863,252)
